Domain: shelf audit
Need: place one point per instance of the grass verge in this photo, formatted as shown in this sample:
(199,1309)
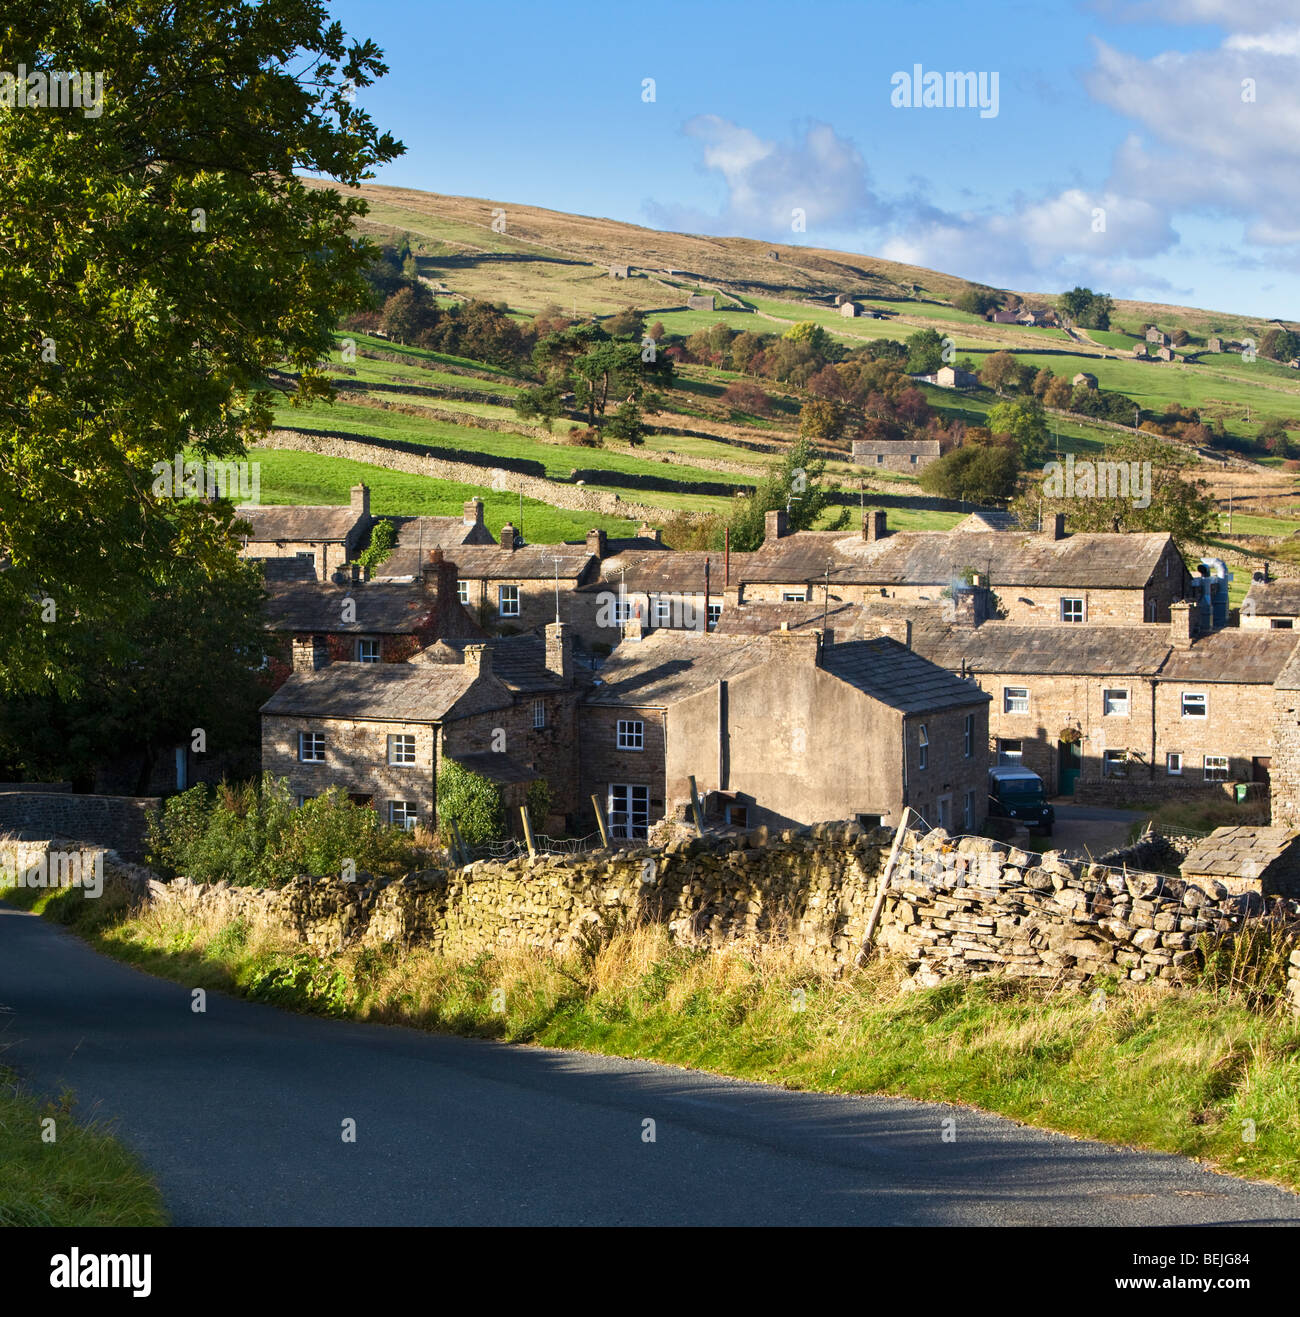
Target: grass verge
(1197,1071)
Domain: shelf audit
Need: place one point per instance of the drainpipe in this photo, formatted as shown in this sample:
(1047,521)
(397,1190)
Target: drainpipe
(1151,772)
(726,558)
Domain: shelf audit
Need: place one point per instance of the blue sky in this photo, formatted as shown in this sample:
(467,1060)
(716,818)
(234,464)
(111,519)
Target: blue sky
(1128,151)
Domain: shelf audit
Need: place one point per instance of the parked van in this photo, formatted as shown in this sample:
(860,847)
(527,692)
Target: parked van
(1016,793)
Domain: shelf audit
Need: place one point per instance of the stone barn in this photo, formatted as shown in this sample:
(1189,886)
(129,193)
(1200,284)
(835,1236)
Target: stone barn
(699,302)
(1247,859)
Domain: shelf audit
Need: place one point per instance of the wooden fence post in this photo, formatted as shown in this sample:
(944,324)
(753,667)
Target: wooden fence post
(878,907)
(695,806)
(600,821)
(528,831)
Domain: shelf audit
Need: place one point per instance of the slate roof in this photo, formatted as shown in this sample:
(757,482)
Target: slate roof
(667,666)
(279,571)
(891,673)
(657,572)
(315,525)
(986,519)
(844,620)
(387,692)
(416,535)
(1067,649)
(519,662)
(1232,655)
(1227,852)
(496,767)
(1143,650)
(317,607)
(1100,561)
(1280,598)
(476,562)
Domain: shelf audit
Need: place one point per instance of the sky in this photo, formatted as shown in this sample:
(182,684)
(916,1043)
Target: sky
(1145,148)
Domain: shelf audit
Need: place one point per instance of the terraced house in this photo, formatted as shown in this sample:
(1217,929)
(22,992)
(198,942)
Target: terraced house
(1042,579)
(318,539)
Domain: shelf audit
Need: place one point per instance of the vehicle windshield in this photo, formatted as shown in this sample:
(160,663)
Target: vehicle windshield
(1020,789)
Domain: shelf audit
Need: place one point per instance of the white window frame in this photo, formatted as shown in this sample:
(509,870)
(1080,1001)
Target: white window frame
(361,656)
(1114,763)
(661,612)
(462,591)
(1174,763)
(1074,599)
(715,614)
(1194,695)
(630,734)
(409,812)
(795,596)
(398,748)
(1221,770)
(315,741)
(1124,695)
(628,821)
(513,601)
(1015,699)
(539,714)
(922,748)
(1006,756)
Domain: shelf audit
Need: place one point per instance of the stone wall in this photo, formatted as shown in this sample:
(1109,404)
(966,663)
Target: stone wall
(956,906)
(118,822)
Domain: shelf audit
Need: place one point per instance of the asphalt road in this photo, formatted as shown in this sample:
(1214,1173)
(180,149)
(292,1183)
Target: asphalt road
(239,1114)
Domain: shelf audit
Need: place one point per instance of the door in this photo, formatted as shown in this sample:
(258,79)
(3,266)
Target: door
(628,811)
(1070,758)
(1259,766)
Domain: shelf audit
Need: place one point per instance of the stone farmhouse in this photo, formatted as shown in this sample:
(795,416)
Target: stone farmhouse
(1039,579)
(1271,606)
(1157,336)
(417,536)
(900,454)
(1004,317)
(323,538)
(383,732)
(781,729)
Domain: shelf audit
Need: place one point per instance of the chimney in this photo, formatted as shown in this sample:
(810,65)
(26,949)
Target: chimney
(596,542)
(896,628)
(438,576)
(970,604)
(310,653)
(776,526)
(646,532)
(802,646)
(508,537)
(559,651)
(360,500)
(873,525)
(1054,526)
(1182,626)
(634,627)
(474,512)
(478,659)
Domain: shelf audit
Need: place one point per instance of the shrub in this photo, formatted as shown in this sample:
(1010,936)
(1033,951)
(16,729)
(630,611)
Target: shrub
(473,802)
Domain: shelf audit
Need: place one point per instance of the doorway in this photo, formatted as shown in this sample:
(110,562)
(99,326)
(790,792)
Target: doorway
(1069,756)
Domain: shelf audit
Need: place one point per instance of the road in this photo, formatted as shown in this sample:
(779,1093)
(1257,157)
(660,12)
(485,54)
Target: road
(239,1114)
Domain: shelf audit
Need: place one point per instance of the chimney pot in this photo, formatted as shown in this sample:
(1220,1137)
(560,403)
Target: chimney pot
(360,500)
(873,525)
(596,543)
(473,512)
(508,537)
(776,525)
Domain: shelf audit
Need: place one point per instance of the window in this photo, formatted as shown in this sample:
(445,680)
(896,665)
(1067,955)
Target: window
(367,651)
(462,591)
(1071,610)
(302,800)
(361,799)
(622,609)
(1010,752)
(1174,763)
(1281,624)
(1216,768)
(923,748)
(968,812)
(539,713)
(1195,705)
(880,459)
(311,747)
(1114,763)
(1114,703)
(661,612)
(308,556)
(508,601)
(629,812)
(794,596)
(403,813)
(913,459)
(1151,607)
(631,734)
(1015,699)
(715,612)
(968,738)
(401,749)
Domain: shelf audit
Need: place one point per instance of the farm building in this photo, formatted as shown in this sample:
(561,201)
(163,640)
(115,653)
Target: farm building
(1215,345)
(1247,859)
(1165,354)
(949,377)
(900,454)
(619,271)
(1155,335)
(1088,381)
(700,302)
(1005,317)
(848,309)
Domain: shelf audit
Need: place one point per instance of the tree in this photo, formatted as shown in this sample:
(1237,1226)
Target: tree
(1180,505)
(1087,309)
(540,404)
(1058,394)
(807,331)
(743,396)
(821,418)
(1279,345)
(744,348)
(924,352)
(628,323)
(1042,382)
(409,315)
(976,301)
(1180,337)
(158,293)
(472,802)
(795,487)
(975,472)
(999,370)
(1023,420)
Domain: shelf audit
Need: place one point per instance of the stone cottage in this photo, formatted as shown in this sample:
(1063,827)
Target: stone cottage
(323,538)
